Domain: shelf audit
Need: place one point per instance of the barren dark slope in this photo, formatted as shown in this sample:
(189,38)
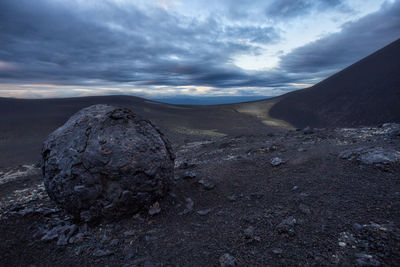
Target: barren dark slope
(366,93)
(24,123)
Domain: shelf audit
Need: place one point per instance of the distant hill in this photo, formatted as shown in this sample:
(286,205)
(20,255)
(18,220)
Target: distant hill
(208,100)
(366,93)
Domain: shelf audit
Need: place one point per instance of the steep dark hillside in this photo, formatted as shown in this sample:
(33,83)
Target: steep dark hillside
(366,93)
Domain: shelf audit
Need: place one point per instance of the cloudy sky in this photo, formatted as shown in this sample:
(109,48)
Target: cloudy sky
(156,48)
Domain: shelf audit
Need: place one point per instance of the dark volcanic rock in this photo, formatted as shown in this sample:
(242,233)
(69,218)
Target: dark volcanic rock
(371,155)
(105,162)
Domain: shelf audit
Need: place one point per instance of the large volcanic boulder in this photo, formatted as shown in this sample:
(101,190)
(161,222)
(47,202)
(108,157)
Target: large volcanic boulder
(105,162)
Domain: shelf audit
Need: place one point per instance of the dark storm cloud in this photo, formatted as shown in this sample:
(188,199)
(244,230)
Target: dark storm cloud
(68,44)
(355,41)
(62,42)
(293,8)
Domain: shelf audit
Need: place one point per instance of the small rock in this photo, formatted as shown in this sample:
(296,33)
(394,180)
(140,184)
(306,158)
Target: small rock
(286,226)
(78,238)
(227,260)
(295,188)
(130,233)
(203,212)
(277,251)
(114,242)
(366,260)
(62,240)
(371,156)
(249,232)
(232,198)
(102,253)
(208,185)
(304,209)
(277,161)
(357,226)
(188,207)
(186,165)
(308,130)
(189,175)
(154,209)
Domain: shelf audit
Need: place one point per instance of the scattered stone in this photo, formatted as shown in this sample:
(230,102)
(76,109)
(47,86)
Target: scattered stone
(301,149)
(188,207)
(346,238)
(155,209)
(78,238)
(395,133)
(189,175)
(249,232)
(130,233)
(208,185)
(62,233)
(286,226)
(277,161)
(227,260)
(203,212)
(370,156)
(105,162)
(102,253)
(366,260)
(114,242)
(308,130)
(277,251)
(233,198)
(186,165)
(295,188)
(357,226)
(305,209)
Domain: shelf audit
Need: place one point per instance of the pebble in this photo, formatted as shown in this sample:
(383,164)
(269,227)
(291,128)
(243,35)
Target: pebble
(203,212)
(249,232)
(304,209)
(114,242)
(189,206)
(277,251)
(357,226)
(130,233)
(154,209)
(102,253)
(277,161)
(366,260)
(208,185)
(308,130)
(227,260)
(287,226)
(189,175)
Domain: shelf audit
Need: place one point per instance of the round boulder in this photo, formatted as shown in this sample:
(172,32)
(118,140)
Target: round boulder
(105,162)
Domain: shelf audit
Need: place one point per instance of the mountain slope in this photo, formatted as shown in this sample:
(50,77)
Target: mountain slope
(366,93)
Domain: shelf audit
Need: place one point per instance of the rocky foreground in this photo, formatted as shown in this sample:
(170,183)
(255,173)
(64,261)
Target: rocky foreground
(308,197)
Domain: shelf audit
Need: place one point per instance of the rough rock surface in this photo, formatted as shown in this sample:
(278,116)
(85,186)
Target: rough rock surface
(105,162)
(372,155)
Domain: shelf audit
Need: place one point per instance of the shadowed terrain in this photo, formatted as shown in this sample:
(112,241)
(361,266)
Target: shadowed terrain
(24,124)
(366,93)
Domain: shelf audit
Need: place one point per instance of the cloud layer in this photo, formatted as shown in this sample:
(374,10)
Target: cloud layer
(152,49)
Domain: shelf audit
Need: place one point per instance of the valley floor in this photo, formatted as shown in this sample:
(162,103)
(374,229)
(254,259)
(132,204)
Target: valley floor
(284,198)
